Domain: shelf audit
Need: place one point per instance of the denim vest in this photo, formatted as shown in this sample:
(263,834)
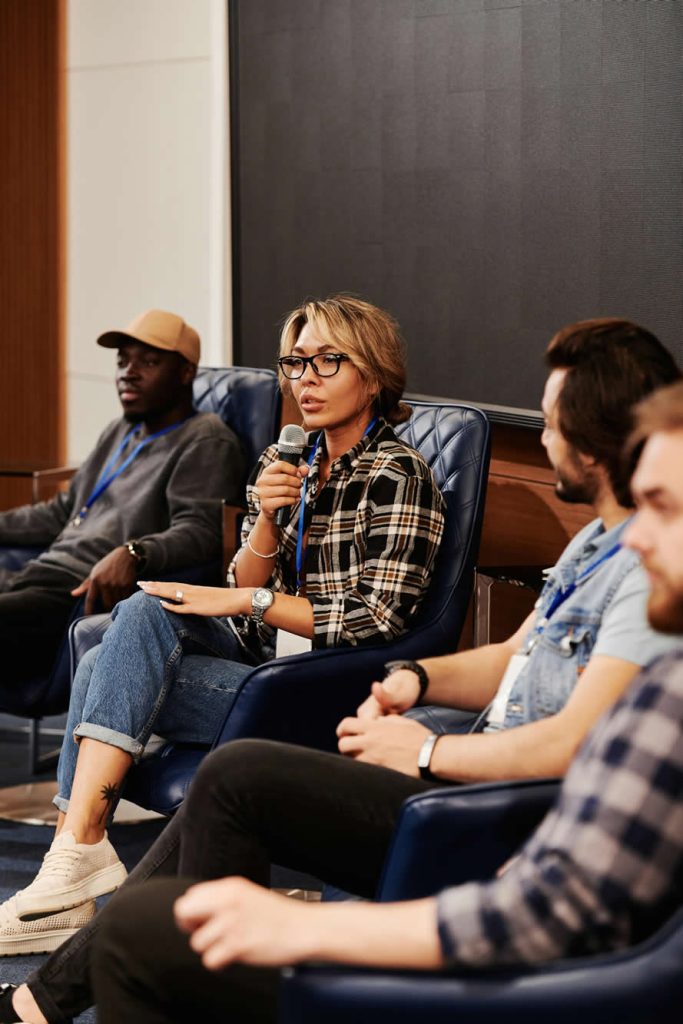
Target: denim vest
(558,654)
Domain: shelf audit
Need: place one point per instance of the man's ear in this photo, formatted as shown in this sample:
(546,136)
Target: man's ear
(588,461)
(188,371)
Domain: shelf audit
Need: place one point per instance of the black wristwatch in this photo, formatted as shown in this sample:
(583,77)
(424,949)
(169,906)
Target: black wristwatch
(136,551)
(424,758)
(412,666)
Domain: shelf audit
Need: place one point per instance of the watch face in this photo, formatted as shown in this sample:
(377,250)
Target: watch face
(262,598)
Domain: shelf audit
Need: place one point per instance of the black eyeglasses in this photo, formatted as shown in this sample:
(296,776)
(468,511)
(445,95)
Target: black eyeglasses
(325,364)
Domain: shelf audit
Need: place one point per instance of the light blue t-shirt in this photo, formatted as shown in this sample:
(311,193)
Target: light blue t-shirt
(605,614)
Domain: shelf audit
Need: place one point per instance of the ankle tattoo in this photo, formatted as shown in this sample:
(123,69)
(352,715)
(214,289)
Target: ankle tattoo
(109,794)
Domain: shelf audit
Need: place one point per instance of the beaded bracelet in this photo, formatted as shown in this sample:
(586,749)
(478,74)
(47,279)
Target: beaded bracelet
(258,553)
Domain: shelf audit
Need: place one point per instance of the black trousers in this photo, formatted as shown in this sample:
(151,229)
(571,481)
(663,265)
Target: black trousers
(144,971)
(252,803)
(35,608)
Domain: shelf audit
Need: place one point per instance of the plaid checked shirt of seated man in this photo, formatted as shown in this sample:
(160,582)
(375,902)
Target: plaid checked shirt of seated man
(605,868)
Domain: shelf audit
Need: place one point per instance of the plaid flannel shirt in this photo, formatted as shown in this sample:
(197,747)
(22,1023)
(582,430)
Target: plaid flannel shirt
(375,529)
(605,868)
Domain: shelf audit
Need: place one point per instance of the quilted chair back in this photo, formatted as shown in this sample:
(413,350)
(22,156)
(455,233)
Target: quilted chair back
(247,399)
(454,440)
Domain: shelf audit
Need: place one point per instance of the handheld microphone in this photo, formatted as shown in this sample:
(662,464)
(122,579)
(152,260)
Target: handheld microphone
(291,443)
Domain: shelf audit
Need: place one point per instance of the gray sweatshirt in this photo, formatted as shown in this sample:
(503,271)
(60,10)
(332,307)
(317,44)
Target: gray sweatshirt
(169,497)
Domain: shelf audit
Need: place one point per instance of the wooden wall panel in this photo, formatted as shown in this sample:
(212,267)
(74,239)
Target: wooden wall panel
(525,523)
(31,236)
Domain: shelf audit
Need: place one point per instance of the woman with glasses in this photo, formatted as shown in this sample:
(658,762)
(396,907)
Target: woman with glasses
(362,524)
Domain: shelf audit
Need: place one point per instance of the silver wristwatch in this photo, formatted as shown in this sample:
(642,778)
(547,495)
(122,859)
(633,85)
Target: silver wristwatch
(261,601)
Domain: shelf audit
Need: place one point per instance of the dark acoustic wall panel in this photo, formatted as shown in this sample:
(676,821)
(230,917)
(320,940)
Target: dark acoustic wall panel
(488,170)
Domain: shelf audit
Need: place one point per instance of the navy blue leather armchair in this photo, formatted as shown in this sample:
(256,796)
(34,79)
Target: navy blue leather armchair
(301,699)
(446,837)
(248,400)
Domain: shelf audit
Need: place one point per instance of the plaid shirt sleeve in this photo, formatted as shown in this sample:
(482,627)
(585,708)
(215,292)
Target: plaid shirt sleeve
(606,866)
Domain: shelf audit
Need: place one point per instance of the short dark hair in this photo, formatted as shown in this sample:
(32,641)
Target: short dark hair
(611,365)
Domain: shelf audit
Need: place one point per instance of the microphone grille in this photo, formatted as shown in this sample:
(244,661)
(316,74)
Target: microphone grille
(292,438)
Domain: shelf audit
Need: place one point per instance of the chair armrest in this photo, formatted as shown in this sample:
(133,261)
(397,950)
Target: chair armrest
(232,524)
(85,633)
(634,986)
(39,477)
(302,698)
(463,833)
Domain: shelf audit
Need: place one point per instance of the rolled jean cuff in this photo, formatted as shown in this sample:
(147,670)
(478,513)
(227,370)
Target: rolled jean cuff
(61,803)
(115,739)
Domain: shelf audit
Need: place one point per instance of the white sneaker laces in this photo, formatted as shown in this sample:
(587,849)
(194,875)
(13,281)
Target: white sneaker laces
(58,862)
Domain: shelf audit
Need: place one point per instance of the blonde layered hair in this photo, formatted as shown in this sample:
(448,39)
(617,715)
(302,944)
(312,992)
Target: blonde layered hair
(369,336)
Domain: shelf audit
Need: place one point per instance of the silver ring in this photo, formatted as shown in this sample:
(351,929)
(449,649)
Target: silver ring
(179,596)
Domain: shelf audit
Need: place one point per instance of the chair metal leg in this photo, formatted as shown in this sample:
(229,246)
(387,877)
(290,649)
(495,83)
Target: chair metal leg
(39,763)
(482,608)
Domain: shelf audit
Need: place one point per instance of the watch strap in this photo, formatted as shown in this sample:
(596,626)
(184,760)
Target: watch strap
(259,610)
(137,553)
(411,666)
(424,758)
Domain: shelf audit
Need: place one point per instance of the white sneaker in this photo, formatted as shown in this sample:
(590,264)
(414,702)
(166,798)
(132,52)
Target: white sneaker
(20,937)
(71,874)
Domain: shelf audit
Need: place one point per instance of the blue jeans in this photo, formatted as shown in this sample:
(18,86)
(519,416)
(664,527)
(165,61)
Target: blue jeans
(174,675)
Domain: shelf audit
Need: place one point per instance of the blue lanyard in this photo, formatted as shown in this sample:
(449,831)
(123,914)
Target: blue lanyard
(563,595)
(304,486)
(109,474)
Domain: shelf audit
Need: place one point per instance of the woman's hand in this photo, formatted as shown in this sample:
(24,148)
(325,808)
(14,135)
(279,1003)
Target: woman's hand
(279,486)
(186,599)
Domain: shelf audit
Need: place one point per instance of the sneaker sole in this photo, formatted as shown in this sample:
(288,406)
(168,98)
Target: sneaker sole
(22,945)
(32,908)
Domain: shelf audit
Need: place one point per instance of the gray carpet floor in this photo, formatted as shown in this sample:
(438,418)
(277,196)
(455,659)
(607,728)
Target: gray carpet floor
(21,851)
(22,848)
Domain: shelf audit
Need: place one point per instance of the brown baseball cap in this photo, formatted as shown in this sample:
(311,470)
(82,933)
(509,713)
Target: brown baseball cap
(160,330)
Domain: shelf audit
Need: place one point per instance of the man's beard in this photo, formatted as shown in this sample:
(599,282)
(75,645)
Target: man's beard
(133,417)
(665,608)
(575,492)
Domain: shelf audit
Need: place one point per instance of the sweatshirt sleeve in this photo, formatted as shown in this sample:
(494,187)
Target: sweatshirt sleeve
(207,472)
(37,524)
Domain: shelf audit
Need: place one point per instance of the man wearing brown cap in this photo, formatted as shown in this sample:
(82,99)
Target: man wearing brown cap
(147,497)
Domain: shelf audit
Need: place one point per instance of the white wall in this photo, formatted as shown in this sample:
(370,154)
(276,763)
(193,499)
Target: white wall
(148,194)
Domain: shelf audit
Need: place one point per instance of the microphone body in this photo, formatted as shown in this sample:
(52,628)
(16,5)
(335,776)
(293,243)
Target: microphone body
(290,445)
